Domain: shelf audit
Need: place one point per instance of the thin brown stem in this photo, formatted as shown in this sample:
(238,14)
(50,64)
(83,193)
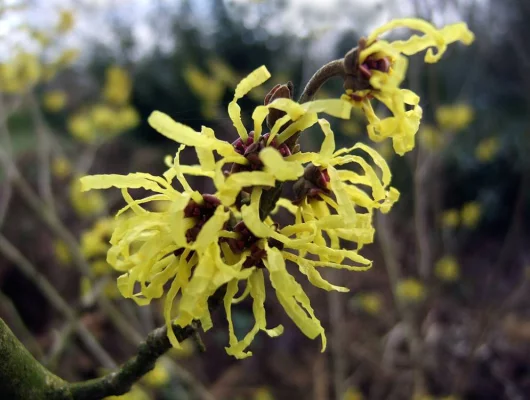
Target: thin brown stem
(332,69)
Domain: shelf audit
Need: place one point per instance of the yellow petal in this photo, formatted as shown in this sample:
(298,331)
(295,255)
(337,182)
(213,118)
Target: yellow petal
(278,167)
(231,187)
(255,78)
(292,297)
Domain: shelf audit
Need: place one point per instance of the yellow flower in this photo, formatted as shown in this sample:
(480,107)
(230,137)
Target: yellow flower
(454,117)
(62,252)
(136,393)
(61,167)
(410,289)
(322,180)
(377,69)
(487,149)
(370,302)
(104,119)
(470,214)
(187,350)
(81,127)
(204,241)
(128,117)
(20,73)
(86,204)
(450,218)
(352,394)
(430,137)
(118,86)
(66,58)
(447,269)
(66,22)
(263,393)
(54,100)
(223,72)
(95,241)
(41,37)
(158,376)
(208,90)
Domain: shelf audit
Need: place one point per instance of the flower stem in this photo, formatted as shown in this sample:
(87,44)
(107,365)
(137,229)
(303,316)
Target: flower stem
(330,70)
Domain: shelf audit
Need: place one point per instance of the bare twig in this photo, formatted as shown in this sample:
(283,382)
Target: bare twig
(43,152)
(394,275)
(55,299)
(332,69)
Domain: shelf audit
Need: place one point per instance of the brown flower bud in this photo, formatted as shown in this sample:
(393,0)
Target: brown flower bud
(277,92)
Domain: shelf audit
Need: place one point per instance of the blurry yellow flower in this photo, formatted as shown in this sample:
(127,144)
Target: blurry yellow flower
(487,149)
(158,376)
(263,393)
(61,167)
(136,393)
(95,241)
(370,302)
(81,127)
(62,252)
(85,290)
(454,117)
(128,117)
(54,100)
(66,58)
(450,218)
(353,394)
(223,72)
(86,204)
(41,37)
(104,118)
(377,69)
(187,350)
(118,86)
(470,214)
(66,22)
(350,128)
(447,269)
(20,73)
(208,90)
(411,289)
(430,137)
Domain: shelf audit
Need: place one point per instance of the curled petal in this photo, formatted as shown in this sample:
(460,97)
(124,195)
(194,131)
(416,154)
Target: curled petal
(255,78)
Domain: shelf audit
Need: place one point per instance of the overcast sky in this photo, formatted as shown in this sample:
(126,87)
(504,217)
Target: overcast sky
(318,19)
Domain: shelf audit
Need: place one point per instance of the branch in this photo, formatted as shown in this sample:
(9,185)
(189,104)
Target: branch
(120,382)
(332,69)
(21,376)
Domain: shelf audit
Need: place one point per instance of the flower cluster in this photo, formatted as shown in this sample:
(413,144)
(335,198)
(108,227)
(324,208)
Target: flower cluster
(24,69)
(376,68)
(109,117)
(248,229)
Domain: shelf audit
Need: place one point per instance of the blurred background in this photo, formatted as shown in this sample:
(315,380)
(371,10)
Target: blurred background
(445,310)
